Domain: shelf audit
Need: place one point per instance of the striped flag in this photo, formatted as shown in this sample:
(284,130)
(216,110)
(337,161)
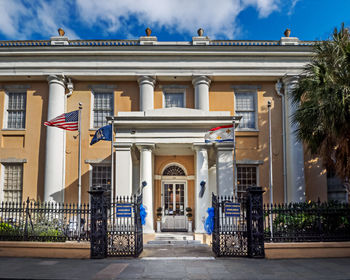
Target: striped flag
(67,121)
(220,134)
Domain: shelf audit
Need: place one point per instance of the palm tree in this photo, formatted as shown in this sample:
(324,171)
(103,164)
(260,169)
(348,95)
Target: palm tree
(323,96)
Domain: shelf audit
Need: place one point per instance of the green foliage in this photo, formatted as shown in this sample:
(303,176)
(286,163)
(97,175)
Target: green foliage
(323,96)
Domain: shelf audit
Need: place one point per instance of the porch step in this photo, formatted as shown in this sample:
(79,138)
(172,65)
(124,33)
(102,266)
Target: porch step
(174,239)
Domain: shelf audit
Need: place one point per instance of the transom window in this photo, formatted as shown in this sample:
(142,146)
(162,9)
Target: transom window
(103,107)
(174,170)
(16,110)
(245,107)
(13,182)
(246,177)
(174,99)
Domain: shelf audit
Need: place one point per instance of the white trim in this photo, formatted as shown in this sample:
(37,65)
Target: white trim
(253,91)
(2,181)
(13,160)
(96,89)
(173,89)
(10,90)
(177,164)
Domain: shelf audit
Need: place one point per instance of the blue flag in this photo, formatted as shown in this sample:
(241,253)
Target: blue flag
(103,133)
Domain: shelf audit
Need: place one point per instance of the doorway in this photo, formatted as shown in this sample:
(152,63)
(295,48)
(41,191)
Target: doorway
(174,201)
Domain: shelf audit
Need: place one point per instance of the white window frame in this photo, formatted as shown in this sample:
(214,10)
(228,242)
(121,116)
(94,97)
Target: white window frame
(254,92)
(2,178)
(174,89)
(8,92)
(97,90)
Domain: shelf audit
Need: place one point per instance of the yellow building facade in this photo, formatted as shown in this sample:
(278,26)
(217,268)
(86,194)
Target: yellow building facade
(162,98)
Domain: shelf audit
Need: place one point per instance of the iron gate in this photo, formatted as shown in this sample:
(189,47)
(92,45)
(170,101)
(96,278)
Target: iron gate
(230,236)
(124,228)
(238,225)
(116,228)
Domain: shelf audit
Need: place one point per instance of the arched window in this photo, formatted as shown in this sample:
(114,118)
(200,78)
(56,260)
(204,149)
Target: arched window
(174,170)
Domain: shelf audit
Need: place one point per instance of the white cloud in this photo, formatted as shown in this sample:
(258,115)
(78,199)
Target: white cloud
(216,17)
(23,18)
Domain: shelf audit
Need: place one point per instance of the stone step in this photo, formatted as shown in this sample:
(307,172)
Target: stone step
(174,242)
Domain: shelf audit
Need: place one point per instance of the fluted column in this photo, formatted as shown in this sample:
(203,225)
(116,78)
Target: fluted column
(55,143)
(146,175)
(294,149)
(202,194)
(146,85)
(224,168)
(201,92)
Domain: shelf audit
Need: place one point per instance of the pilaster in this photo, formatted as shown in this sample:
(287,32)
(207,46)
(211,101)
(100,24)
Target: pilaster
(123,169)
(224,168)
(294,148)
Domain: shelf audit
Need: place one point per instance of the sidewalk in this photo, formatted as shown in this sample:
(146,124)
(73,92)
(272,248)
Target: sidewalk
(176,268)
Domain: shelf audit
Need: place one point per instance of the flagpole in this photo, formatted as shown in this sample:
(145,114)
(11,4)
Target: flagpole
(270,166)
(234,156)
(112,165)
(79,154)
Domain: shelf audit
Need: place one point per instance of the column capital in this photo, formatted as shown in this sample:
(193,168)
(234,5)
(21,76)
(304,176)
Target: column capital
(290,80)
(57,79)
(224,146)
(146,80)
(122,146)
(197,146)
(196,80)
(145,146)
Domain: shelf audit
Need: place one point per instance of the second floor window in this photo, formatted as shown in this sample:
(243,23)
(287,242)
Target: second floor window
(174,99)
(16,110)
(103,107)
(245,104)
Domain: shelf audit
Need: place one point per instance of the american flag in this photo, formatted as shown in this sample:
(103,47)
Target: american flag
(67,121)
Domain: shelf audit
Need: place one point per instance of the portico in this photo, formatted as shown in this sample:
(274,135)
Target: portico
(166,148)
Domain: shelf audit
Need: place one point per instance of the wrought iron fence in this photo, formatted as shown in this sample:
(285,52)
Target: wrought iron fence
(307,222)
(47,221)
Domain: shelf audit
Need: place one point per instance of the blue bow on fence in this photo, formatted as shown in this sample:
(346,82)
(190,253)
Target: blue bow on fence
(209,222)
(143,214)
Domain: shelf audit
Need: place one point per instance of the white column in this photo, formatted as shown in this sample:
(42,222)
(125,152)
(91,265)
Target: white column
(201,92)
(202,203)
(294,150)
(123,169)
(146,175)
(224,168)
(55,143)
(146,84)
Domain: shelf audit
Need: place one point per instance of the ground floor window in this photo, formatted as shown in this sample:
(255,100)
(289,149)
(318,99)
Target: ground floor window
(246,177)
(101,176)
(13,182)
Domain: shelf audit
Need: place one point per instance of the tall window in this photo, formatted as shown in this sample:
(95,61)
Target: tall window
(174,99)
(246,177)
(13,182)
(101,176)
(103,107)
(245,107)
(16,109)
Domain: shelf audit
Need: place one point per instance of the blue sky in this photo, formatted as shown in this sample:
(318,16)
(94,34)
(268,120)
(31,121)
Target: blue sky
(175,20)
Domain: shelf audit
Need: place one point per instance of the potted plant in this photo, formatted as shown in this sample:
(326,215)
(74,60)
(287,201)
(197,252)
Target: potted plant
(189,218)
(159,217)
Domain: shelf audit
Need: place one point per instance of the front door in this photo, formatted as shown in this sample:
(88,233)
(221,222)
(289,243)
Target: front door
(174,203)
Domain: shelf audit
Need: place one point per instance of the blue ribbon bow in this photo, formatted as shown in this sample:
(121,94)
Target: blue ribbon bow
(143,214)
(209,222)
